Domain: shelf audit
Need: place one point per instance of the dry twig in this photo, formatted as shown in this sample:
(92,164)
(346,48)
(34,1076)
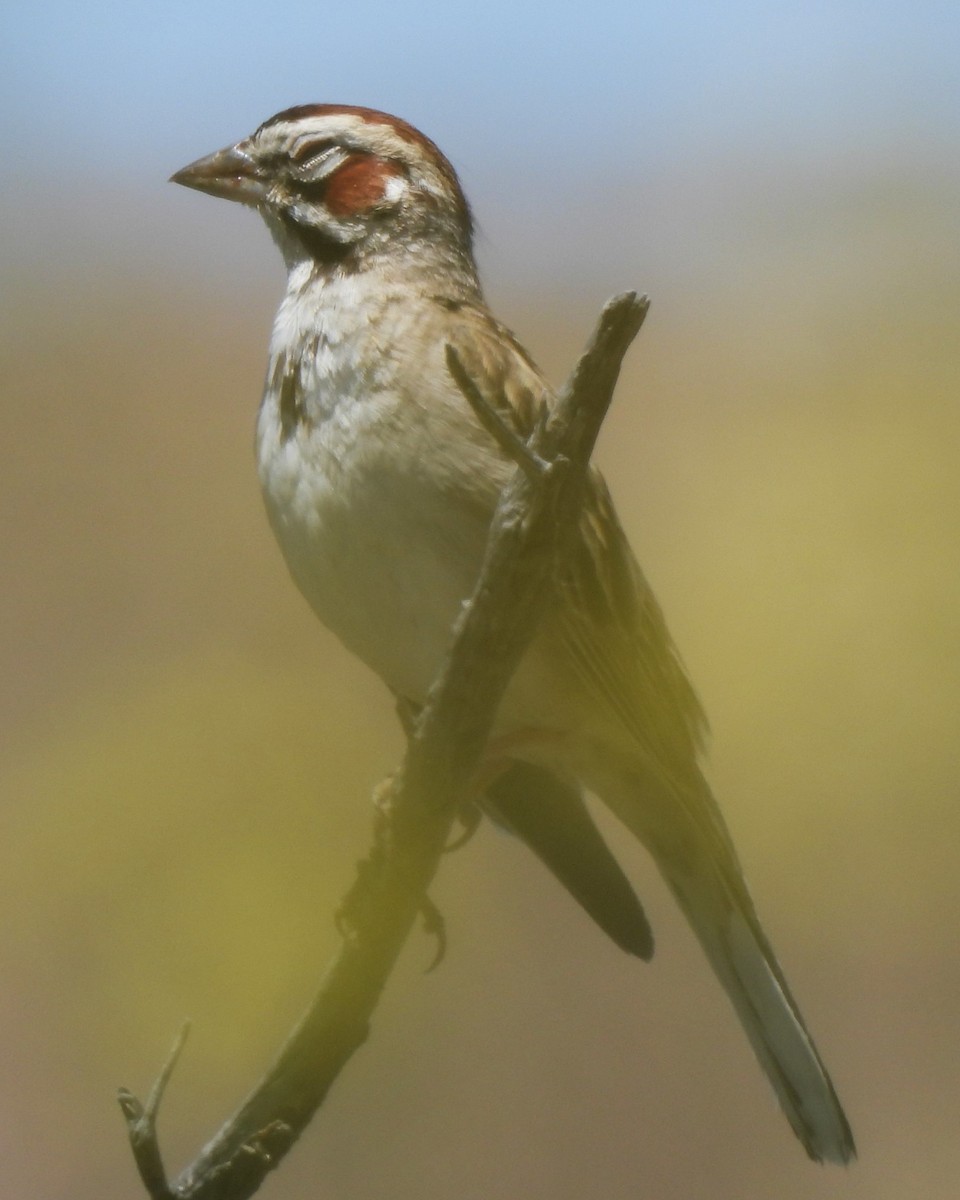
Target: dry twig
(418,806)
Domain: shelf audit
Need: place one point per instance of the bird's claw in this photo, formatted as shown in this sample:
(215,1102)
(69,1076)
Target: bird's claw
(434,923)
(469,816)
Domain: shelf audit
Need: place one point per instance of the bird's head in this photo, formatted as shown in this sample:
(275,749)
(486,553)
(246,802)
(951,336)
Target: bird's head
(339,182)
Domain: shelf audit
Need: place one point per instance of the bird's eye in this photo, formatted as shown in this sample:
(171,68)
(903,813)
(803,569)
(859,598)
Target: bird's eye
(311,152)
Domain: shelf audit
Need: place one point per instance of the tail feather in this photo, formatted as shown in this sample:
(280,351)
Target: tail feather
(552,819)
(744,963)
(684,830)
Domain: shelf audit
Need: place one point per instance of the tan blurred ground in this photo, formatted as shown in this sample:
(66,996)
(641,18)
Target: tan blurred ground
(187,756)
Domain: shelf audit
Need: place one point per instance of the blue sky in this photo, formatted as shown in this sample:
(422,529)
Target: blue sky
(111,86)
(579,131)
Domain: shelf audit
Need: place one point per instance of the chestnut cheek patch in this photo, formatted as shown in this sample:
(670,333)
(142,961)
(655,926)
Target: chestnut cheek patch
(359,185)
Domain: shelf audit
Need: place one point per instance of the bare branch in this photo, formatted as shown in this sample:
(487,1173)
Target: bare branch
(417,808)
(142,1124)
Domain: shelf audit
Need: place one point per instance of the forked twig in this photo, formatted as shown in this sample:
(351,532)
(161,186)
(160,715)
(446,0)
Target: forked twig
(142,1123)
(537,511)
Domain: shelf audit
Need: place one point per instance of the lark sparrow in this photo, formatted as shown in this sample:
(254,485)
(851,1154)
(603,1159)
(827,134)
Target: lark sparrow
(380,483)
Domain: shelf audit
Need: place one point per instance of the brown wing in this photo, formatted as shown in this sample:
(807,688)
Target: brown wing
(609,620)
(509,379)
(618,639)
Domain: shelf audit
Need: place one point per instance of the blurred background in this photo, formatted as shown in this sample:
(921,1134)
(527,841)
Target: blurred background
(187,756)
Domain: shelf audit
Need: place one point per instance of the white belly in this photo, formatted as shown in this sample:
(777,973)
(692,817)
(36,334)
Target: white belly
(379,551)
(381,501)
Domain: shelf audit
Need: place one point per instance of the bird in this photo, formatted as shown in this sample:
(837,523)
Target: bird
(380,485)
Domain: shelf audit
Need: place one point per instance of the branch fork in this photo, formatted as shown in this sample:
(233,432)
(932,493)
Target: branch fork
(417,807)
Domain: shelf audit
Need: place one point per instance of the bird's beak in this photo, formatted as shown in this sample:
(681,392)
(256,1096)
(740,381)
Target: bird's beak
(231,173)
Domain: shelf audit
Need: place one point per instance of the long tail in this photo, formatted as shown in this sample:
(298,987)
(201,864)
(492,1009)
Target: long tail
(686,834)
(745,964)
